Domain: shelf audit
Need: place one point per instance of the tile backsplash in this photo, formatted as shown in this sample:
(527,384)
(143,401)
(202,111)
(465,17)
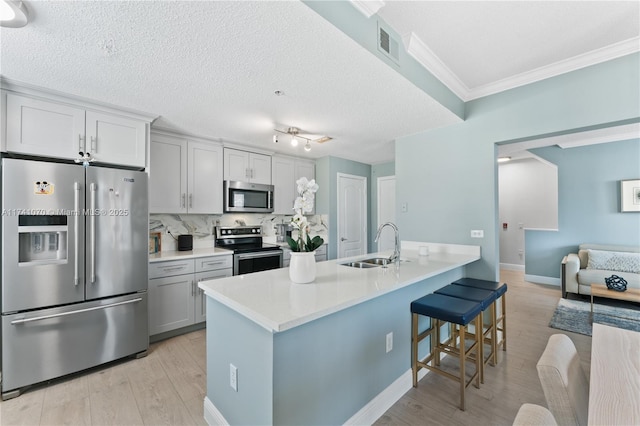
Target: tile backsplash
(202,226)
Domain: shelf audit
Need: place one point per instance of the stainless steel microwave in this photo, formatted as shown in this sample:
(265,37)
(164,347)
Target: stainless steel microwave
(245,197)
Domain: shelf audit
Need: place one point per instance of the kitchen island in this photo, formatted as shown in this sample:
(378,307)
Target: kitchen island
(318,353)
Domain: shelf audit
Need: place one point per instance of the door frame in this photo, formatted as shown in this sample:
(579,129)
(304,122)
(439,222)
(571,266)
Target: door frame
(366,211)
(379,198)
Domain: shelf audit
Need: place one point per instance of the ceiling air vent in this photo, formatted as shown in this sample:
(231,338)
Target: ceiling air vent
(387,44)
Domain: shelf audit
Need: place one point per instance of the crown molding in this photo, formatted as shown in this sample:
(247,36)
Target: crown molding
(425,56)
(368,8)
(597,56)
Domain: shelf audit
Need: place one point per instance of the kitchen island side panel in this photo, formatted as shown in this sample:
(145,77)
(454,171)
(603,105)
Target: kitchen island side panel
(326,370)
(234,339)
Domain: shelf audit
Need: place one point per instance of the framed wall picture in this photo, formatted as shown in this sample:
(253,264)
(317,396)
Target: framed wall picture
(630,195)
(155,240)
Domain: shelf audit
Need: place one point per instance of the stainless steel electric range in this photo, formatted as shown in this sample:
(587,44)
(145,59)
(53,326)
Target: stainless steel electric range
(250,254)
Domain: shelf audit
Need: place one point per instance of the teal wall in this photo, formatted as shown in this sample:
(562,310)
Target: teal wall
(232,339)
(320,373)
(327,169)
(377,171)
(448,176)
(364,31)
(588,203)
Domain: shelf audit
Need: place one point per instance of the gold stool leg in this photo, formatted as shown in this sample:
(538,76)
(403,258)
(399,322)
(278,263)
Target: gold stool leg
(504,322)
(414,348)
(494,334)
(463,377)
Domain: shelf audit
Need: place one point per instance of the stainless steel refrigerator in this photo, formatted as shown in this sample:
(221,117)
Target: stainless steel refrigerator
(74,269)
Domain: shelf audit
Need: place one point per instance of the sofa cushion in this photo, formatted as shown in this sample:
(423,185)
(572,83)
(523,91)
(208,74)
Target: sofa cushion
(597,276)
(614,261)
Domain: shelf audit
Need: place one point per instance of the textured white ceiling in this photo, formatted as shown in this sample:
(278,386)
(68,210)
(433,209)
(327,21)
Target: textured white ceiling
(210,67)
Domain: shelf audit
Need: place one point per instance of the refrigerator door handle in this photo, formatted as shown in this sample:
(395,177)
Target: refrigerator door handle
(92,229)
(76,229)
(79,311)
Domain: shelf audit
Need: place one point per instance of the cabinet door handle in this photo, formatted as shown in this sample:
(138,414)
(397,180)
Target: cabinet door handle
(190,200)
(94,144)
(80,143)
(175,268)
(193,288)
(183,200)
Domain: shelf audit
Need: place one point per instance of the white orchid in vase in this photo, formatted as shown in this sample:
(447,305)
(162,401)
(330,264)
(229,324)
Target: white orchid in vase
(304,204)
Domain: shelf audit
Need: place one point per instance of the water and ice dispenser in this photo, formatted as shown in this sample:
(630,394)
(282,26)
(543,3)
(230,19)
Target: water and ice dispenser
(42,239)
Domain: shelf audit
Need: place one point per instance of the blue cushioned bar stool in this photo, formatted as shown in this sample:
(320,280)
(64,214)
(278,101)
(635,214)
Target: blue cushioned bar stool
(453,310)
(499,321)
(486,299)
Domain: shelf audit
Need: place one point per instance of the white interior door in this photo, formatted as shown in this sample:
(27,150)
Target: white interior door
(386,211)
(352,215)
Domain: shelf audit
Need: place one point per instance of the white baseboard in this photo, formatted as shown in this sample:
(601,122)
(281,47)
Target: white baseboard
(512,267)
(385,399)
(212,416)
(367,415)
(539,279)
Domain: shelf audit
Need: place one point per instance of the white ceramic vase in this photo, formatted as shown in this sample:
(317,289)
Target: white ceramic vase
(302,267)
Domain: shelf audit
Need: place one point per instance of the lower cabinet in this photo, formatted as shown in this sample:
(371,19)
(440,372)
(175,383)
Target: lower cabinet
(320,255)
(175,301)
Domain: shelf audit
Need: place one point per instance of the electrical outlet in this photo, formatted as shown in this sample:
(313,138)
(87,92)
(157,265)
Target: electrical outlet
(389,341)
(477,233)
(233,377)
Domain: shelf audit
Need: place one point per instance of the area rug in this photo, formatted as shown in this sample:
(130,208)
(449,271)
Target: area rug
(573,315)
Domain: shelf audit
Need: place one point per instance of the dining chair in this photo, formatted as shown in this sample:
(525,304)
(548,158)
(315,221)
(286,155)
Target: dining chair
(564,383)
(534,415)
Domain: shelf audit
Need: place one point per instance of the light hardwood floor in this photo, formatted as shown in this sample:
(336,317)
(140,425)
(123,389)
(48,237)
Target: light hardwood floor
(511,383)
(168,386)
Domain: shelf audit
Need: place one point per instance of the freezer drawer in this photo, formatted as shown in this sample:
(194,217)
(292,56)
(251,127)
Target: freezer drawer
(49,343)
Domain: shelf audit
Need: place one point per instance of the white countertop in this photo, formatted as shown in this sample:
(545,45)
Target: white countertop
(163,256)
(272,301)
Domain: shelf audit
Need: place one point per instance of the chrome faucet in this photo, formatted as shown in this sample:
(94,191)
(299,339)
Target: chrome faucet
(395,257)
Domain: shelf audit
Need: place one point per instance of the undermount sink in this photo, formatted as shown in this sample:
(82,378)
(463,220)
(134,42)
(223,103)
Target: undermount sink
(377,261)
(359,264)
(374,262)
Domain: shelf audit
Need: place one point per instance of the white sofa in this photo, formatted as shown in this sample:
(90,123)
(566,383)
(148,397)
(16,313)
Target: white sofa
(593,263)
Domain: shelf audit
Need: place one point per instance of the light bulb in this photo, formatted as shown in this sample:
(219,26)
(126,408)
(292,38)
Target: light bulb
(307,146)
(294,141)
(275,138)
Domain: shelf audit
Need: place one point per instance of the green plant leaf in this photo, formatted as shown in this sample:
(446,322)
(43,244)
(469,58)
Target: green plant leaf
(293,245)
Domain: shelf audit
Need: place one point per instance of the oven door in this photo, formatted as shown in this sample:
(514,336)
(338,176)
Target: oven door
(245,263)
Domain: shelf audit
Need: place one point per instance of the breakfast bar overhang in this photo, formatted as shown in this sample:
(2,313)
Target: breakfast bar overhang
(317,353)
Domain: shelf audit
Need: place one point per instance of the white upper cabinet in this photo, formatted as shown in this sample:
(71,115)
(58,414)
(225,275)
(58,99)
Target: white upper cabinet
(185,176)
(44,128)
(116,140)
(283,180)
(204,178)
(285,172)
(54,129)
(247,166)
(168,175)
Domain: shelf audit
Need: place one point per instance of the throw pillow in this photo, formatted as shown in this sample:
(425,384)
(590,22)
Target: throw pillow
(614,261)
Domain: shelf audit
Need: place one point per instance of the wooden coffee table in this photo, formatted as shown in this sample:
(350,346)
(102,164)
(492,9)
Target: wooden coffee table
(601,290)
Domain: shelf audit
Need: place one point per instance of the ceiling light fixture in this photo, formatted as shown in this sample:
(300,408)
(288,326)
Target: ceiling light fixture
(295,137)
(293,132)
(503,159)
(13,14)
